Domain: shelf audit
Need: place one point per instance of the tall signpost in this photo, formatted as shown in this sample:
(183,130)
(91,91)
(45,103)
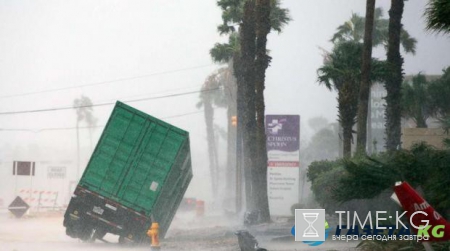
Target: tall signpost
(283,172)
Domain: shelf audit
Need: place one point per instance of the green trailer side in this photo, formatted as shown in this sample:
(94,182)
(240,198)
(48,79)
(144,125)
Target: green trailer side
(141,163)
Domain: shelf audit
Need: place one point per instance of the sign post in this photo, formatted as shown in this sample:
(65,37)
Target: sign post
(283,172)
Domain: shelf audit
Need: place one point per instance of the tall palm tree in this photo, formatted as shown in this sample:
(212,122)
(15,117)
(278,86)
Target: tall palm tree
(208,100)
(262,61)
(239,20)
(437,15)
(395,77)
(364,91)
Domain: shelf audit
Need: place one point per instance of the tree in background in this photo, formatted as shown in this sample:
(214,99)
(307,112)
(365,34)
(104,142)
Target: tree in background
(440,92)
(437,14)
(84,111)
(394,77)
(416,101)
(224,82)
(353,30)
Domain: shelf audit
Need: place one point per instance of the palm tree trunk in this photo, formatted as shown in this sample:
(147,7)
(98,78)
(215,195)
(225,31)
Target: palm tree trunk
(395,77)
(242,177)
(421,122)
(365,78)
(261,64)
(231,136)
(347,131)
(209,118)
(248,119)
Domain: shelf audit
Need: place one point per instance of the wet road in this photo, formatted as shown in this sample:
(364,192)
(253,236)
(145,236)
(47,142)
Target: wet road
(44,233)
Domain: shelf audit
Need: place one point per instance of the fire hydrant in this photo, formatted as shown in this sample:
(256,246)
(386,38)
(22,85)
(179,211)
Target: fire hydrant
(153,233)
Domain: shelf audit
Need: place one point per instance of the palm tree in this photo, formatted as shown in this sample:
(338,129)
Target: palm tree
(439,91)
(84,110)
(364,91)
(208,100)
(416,101)
(437,15)
(262,60)
(342,73)
(354,30)
(395,77)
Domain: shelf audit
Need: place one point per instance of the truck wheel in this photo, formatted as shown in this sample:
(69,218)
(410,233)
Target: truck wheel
(86,234)
(100,233)
(70,231)
(121,240)
(125,242)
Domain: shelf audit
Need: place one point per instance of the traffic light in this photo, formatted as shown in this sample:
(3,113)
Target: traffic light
(234,120)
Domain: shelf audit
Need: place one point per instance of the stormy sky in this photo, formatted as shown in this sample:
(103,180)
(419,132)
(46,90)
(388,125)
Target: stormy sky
(52,52)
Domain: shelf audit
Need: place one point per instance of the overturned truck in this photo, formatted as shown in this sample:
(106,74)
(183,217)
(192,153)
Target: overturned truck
(137,174)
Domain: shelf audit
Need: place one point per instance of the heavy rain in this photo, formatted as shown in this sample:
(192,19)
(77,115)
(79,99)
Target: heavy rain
(224,125)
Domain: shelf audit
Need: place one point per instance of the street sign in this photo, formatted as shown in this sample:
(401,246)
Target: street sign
(283,153)
(18,207)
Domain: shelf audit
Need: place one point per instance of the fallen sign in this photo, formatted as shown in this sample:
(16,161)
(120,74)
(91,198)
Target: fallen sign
(18,207)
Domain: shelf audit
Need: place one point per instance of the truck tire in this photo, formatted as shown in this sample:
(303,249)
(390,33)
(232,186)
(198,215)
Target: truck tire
(70,231)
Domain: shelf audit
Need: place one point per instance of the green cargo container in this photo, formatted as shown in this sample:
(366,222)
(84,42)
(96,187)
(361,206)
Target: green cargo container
(140,164)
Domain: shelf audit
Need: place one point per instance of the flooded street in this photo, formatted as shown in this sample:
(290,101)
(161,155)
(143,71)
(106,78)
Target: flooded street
(46,232)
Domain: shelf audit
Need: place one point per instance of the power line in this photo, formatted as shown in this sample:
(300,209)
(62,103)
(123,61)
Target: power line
(107,103)
(105,82)
(84,127)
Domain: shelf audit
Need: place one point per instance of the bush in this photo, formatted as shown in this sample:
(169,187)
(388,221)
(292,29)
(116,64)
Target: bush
(365,183)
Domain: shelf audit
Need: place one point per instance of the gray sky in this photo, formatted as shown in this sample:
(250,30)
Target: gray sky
(57,44)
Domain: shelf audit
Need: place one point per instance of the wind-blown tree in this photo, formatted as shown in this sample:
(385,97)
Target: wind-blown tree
(84,110)
(394,77)
(342,72)
(240,22)
(220,81)
(353,30)
(416,101)
(437,14)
